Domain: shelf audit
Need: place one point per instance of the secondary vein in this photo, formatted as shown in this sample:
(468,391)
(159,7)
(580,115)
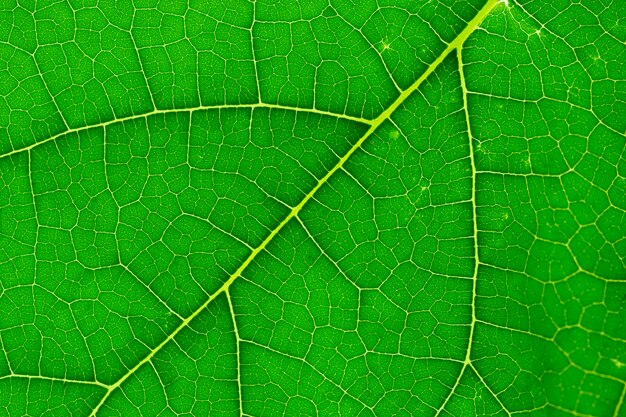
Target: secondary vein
(190,110)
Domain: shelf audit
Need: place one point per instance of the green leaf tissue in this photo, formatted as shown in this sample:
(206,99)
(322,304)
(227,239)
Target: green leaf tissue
(266,208)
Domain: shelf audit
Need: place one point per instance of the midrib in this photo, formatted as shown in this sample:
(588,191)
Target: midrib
(374,124)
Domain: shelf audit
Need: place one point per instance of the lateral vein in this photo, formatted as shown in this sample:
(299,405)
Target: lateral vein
(187,110)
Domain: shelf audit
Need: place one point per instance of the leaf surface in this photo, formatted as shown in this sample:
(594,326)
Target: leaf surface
(312,208)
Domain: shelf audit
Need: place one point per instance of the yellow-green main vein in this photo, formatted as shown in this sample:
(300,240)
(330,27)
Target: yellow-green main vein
(456,43)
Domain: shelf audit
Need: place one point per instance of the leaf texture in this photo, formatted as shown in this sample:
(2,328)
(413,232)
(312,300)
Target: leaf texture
(312,208)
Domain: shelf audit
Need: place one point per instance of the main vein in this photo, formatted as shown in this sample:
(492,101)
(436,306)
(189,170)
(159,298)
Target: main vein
(456,43)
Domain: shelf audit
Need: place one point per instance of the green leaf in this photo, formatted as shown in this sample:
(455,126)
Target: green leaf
(312,208)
